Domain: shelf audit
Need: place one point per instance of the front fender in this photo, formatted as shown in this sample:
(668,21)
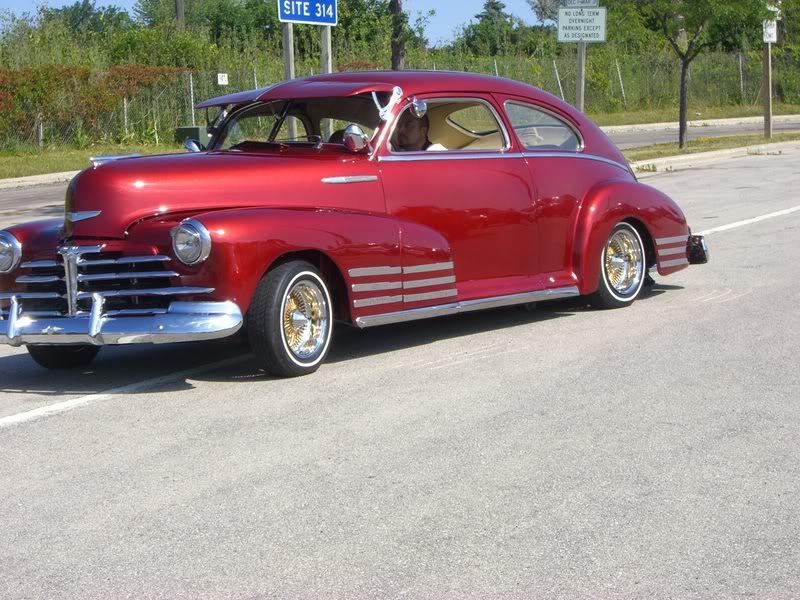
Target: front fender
(606,205)
(246,242)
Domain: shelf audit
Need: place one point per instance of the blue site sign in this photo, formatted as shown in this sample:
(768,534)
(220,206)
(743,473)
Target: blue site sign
(311,12)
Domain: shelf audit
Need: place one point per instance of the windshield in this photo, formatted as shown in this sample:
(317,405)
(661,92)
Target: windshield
(317,120)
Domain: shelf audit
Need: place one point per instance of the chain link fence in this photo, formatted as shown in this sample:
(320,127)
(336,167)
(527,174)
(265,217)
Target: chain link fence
(614,83)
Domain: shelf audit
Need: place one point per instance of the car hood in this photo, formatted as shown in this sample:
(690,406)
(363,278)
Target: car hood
(130,190)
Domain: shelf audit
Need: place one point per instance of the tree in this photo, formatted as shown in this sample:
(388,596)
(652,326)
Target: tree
(690,26)
(399,34)
(545,10)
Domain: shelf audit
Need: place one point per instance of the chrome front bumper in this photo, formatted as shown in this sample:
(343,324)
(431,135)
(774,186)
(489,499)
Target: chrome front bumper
(181,322)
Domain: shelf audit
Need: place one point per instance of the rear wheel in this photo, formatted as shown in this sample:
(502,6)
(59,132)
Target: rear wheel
(622,268)
(63,357)
(290,321)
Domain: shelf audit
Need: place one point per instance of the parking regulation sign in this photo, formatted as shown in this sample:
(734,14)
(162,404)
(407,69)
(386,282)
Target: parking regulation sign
(581,24)
(310,12)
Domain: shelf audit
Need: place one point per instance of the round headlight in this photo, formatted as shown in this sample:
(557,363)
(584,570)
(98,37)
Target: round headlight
(191,242)
(10,252)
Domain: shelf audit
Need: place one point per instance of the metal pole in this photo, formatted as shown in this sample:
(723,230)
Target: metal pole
(496,72)
(558,79)
(741,75)
(288,68)
(581,84)
(768,91)
(621,85)
(255,79)
(191,97)
(125,114)
(326,56)
(40,129)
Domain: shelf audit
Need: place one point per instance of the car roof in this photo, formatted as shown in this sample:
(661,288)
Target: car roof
(360,82)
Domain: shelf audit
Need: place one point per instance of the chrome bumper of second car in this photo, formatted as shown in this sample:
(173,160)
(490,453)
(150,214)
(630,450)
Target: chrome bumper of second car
(181,322)
(697,250)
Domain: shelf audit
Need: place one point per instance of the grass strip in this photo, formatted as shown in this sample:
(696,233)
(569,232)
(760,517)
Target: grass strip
(23,163)
(708,144)
(696,113)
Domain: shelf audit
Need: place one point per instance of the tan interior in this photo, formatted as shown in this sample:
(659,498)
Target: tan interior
(453,137)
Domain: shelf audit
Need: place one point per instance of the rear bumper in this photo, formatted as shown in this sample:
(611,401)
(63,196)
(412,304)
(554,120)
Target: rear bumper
(697,250)
(181,322)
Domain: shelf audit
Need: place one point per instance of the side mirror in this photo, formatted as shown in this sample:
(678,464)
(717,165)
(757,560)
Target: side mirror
(418,108)
(355,140)
(193,146)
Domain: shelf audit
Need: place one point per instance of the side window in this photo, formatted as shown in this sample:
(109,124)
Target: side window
(449,124)
(539,130)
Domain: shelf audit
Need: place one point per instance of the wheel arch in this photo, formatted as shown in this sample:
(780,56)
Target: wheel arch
(650,212)
(330,271)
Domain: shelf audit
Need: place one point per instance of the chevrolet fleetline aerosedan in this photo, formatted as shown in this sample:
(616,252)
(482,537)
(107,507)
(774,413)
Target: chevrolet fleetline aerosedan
(365,198)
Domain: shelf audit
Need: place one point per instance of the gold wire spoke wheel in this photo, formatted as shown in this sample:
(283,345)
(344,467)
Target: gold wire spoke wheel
(305,319)
(624,262)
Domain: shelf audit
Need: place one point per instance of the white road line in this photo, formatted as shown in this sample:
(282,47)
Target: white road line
(426,362)
(714,298)
(735,297)
(780,213)
(474,358)
(699,298)
(60,407)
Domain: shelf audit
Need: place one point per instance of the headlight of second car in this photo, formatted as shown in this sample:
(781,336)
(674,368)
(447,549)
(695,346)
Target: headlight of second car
(191,242)
(10,252)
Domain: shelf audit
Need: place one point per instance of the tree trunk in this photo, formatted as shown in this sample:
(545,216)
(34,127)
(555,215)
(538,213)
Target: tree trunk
(683,138)
(398,35)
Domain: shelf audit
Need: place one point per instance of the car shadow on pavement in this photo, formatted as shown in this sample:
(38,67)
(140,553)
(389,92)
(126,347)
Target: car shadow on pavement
(117,367)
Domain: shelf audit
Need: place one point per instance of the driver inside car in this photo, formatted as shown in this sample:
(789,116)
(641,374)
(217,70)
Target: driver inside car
(411,134)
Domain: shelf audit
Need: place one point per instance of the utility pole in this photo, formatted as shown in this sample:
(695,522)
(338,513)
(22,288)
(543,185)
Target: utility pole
(326,67)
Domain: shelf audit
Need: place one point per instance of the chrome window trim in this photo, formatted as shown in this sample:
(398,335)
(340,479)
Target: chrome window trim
(573,154)
(581,142)
(462,100)
(464,155)
(425,312)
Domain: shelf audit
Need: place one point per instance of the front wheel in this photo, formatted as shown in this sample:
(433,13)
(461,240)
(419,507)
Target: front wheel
(63,357)
(290,320)
(622,268)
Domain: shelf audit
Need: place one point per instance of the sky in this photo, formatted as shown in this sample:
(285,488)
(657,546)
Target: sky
(450,14)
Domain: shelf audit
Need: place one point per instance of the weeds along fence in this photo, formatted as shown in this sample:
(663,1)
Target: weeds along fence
(614,83)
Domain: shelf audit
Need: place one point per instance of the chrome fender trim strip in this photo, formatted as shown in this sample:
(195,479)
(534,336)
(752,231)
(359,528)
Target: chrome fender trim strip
(350,179)
(467,306)
(672,240)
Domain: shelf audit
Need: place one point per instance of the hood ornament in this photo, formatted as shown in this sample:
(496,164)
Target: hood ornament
(74,217)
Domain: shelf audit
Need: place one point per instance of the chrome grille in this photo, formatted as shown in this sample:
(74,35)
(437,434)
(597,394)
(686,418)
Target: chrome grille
(71,284)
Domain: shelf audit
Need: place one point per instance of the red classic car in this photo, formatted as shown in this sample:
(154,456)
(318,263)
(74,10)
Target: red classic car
(365,198)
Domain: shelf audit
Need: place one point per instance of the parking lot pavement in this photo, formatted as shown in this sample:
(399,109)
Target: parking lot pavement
(560,453)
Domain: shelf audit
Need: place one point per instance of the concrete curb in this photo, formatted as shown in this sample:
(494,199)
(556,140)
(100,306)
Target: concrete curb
(36,180)
(702,123)
(655,166)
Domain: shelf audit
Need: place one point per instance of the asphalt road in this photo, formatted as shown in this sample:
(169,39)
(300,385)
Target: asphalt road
(648,452)
(636,139)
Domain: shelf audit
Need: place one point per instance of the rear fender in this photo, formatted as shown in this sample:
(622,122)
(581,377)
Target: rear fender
(610,203)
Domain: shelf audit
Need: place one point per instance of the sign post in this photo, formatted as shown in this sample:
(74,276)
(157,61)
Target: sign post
(770,37)
(583,21)
(308,12)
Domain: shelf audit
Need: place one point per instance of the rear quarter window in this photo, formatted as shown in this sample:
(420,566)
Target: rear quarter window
(540,130)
